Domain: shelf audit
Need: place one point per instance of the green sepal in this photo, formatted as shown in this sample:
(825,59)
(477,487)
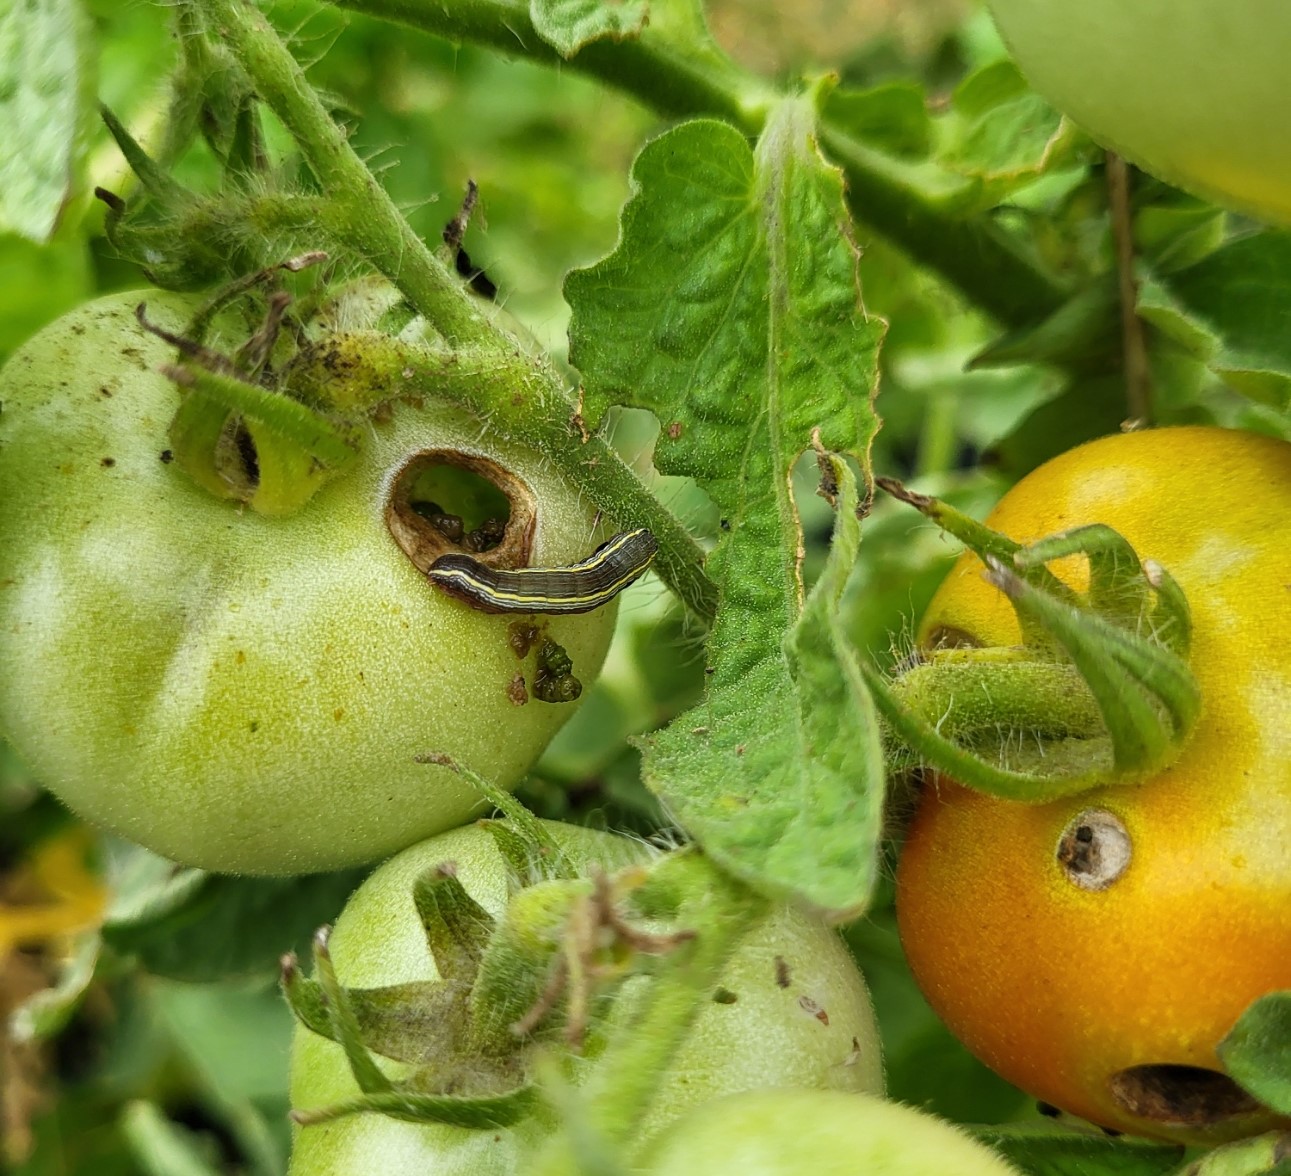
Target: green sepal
(519,961)
(985,544)
(197,438)
(530,850)
(482,1112)
(971,695)
(346,1029)
(171,233)
(405,1022)
(1018,723)
(1080,764)
(1132,678)
(1140,596)
(296,449)
(457,928)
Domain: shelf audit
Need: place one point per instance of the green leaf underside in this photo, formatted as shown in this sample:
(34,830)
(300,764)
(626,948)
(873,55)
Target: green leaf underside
(1257,1051)
(45,82)
(1231,310)
(1044,1151)
(731,309)
(1002,134)
(568,25)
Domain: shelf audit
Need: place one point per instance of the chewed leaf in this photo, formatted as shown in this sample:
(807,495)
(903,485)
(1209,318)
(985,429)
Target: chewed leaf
(731,308)
(46,102)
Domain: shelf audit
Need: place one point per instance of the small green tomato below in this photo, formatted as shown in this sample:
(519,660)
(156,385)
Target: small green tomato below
(1195,91)
(250,693)
(817,1132)
(790,1008)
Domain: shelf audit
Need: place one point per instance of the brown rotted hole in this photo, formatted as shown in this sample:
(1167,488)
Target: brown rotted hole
(1094,849)
(444,501)
(1180,1096)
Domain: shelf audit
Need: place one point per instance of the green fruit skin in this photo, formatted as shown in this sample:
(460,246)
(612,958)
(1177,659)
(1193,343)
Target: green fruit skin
(1197,92)
(765,1036)
(237,692)
(817,1133)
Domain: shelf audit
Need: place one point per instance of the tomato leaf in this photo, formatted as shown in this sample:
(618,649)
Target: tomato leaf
(190,925)
(1042,1150)
(892,117)
(568,25)
(731,308)
(1002,135)
(1257,1051)
(1230,310)
(46,99)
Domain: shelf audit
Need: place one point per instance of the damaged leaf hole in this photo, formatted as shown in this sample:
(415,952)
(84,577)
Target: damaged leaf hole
(444,501)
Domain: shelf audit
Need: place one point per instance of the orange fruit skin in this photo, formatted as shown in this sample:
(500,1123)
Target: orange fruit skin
(1059,988)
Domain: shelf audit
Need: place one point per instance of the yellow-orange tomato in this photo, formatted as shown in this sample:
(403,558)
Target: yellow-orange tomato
(1096,949)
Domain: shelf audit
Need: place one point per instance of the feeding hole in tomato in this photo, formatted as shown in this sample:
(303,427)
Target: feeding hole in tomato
(1094,850)
(444,501)
(949,637)
(1180,1096)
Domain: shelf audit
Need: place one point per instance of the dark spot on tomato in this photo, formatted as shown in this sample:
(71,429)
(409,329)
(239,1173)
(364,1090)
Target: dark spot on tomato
(1180,1096)
(108,462)
(104,390)
(781,972)
(167,456)
(253,726)
(724,996)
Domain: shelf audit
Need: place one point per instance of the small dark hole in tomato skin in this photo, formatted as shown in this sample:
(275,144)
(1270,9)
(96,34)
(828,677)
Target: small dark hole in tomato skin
(949,637)
(1180,1096)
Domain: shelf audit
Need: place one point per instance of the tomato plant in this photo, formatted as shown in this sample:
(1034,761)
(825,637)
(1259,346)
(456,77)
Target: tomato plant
(791,1009)
(562,292)
(1151,914)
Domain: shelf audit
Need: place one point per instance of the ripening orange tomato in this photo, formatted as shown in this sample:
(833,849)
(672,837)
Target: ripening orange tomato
(1096,949)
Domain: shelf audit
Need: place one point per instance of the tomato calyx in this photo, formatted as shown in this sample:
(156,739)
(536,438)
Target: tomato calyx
(1099,691)
(507,989)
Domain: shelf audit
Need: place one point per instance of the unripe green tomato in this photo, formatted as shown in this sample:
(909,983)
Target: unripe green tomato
(795,1011)
(1195,91)
(234,691)
(1096,949)
(821,1132)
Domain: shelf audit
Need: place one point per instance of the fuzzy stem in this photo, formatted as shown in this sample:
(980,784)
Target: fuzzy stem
(519,393)
(519,401)
(358,210)
(982,262)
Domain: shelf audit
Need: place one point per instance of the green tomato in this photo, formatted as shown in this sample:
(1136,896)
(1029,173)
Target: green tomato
(239,692)
(821,1132)
(795,1012)
(1195,91)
